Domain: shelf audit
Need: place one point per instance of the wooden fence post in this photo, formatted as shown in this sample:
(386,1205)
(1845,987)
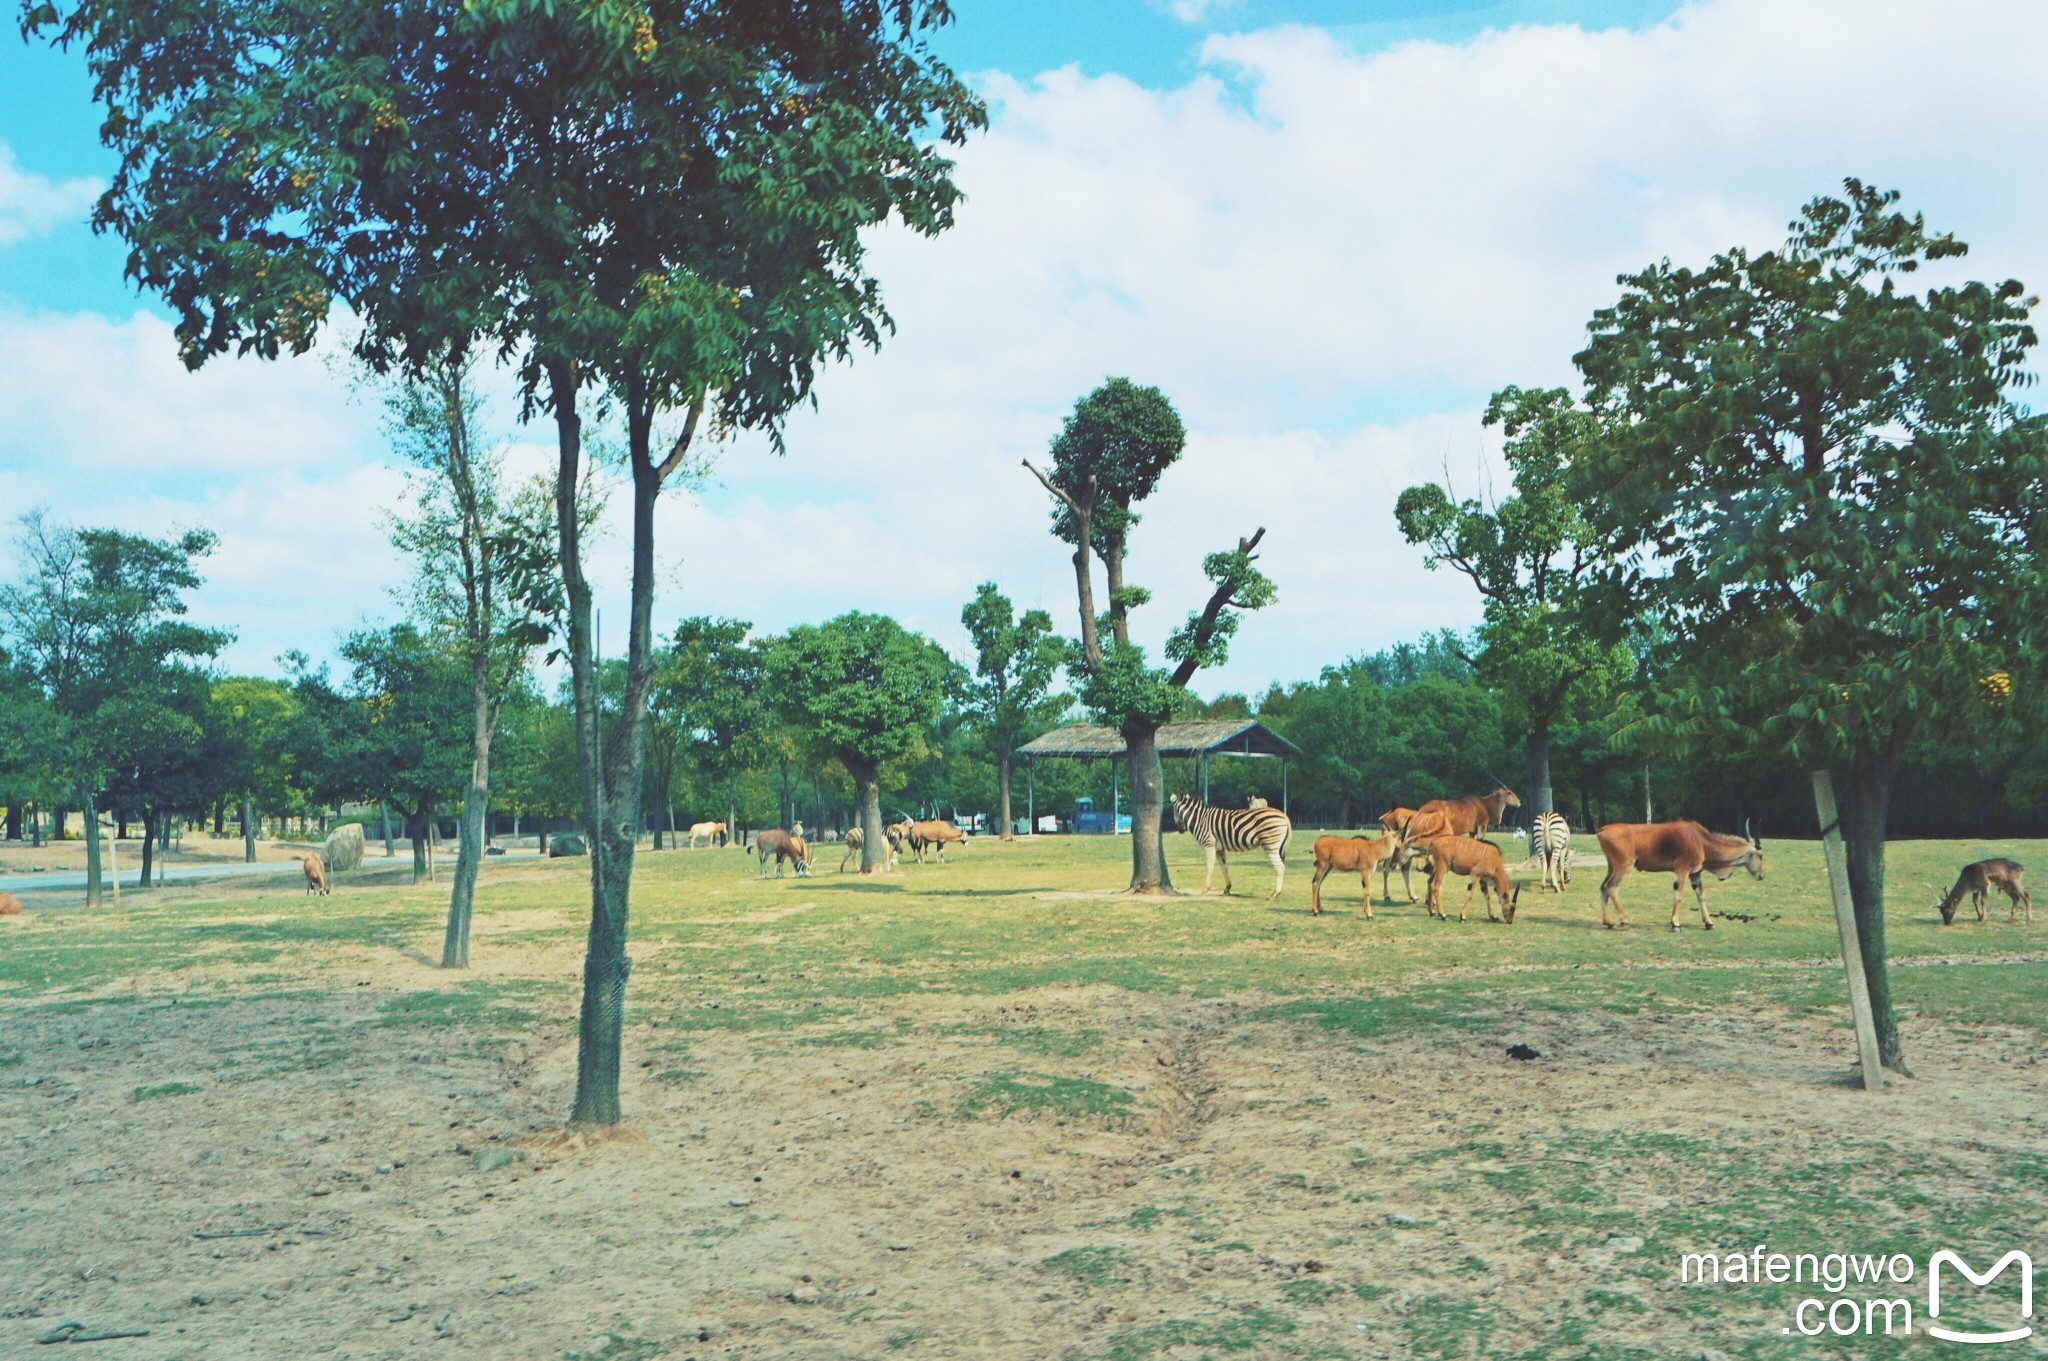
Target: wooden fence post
(1845,922)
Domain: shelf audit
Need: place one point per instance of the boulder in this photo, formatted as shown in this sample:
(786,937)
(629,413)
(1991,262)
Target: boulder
(565,845)
(344,849)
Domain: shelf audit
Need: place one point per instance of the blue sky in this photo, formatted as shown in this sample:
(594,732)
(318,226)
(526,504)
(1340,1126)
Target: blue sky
(1327,230)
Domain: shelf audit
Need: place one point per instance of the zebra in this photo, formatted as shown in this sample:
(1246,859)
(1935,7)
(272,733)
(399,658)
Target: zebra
(1553,838)
(1223,830)
(854,840)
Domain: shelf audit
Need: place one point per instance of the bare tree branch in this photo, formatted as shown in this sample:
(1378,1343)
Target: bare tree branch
(1205,626)
(682,444)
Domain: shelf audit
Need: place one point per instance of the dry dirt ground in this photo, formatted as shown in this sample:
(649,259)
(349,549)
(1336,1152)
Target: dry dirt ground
(913,1179)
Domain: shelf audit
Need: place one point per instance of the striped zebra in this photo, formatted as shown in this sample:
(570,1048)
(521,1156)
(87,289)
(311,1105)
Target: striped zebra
(855,838)
(1553,838)
(1223,830)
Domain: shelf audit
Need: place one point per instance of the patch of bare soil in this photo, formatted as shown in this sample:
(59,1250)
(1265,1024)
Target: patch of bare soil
(336,1186)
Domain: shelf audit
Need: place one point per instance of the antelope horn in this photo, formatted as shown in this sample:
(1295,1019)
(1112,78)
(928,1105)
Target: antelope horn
(1747,836)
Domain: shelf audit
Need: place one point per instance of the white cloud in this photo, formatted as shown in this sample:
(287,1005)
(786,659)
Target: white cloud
(1327,259)
(31,204)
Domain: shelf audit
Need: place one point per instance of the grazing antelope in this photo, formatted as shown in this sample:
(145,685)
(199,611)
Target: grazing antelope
(316,874)
(781,844)
(934,832)
(1481,862)
(1416,832)
(1473,814)
(2008,876)
(1554,845)
(1223,830)
(712,832)
(1686,849)
(1350,853)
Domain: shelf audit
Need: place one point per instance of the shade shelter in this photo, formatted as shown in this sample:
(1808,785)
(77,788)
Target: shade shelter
(1200,739)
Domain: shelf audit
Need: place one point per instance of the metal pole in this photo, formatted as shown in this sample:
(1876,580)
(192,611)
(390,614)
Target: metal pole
(1283,784)
(1845,924)
(1115,796)
(1205,776)
(1031,795)
(114,863)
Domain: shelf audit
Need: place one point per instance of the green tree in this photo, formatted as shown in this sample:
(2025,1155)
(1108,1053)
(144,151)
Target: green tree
(27,759)
(865,691)
(711,679)
(397,730)
(1109,456)
(460,530)
(1342,722)
(161,752)
(1816,482)
(512,170)
(536,760)
(1528,556)
(98,623)
(254,717)
(1015,659)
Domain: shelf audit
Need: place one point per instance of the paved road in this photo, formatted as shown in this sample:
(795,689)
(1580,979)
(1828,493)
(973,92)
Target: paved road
(130,872)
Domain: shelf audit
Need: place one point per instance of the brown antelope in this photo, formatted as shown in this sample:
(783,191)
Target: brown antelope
(1416,832)
(781,845)
(1481,862)
(2007,876)
(1685,849)
(316,874)
(1350,853)
(936,833)
(1473,814)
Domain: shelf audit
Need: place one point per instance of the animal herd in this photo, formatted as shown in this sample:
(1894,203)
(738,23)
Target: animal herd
(1446,836)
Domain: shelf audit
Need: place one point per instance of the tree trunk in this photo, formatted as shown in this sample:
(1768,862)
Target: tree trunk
(476,805)
(1865,808)
(874,844)
(14,821)
(416,829)
(220,815)
(92,848)
(1148,798)
(248,831)
(610,765)
(384,818)
(1003,771)
(121,827)
(148,848)
(1542,799)
(57,829)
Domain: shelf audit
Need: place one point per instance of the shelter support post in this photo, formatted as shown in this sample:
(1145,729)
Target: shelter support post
(1283,784)
(1031,797)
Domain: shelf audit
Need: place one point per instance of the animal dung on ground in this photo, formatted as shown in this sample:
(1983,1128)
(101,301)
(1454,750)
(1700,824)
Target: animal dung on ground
(1522,1052)
(344,849)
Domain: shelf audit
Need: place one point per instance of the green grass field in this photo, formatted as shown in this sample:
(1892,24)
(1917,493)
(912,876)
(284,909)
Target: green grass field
(1213,1127)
